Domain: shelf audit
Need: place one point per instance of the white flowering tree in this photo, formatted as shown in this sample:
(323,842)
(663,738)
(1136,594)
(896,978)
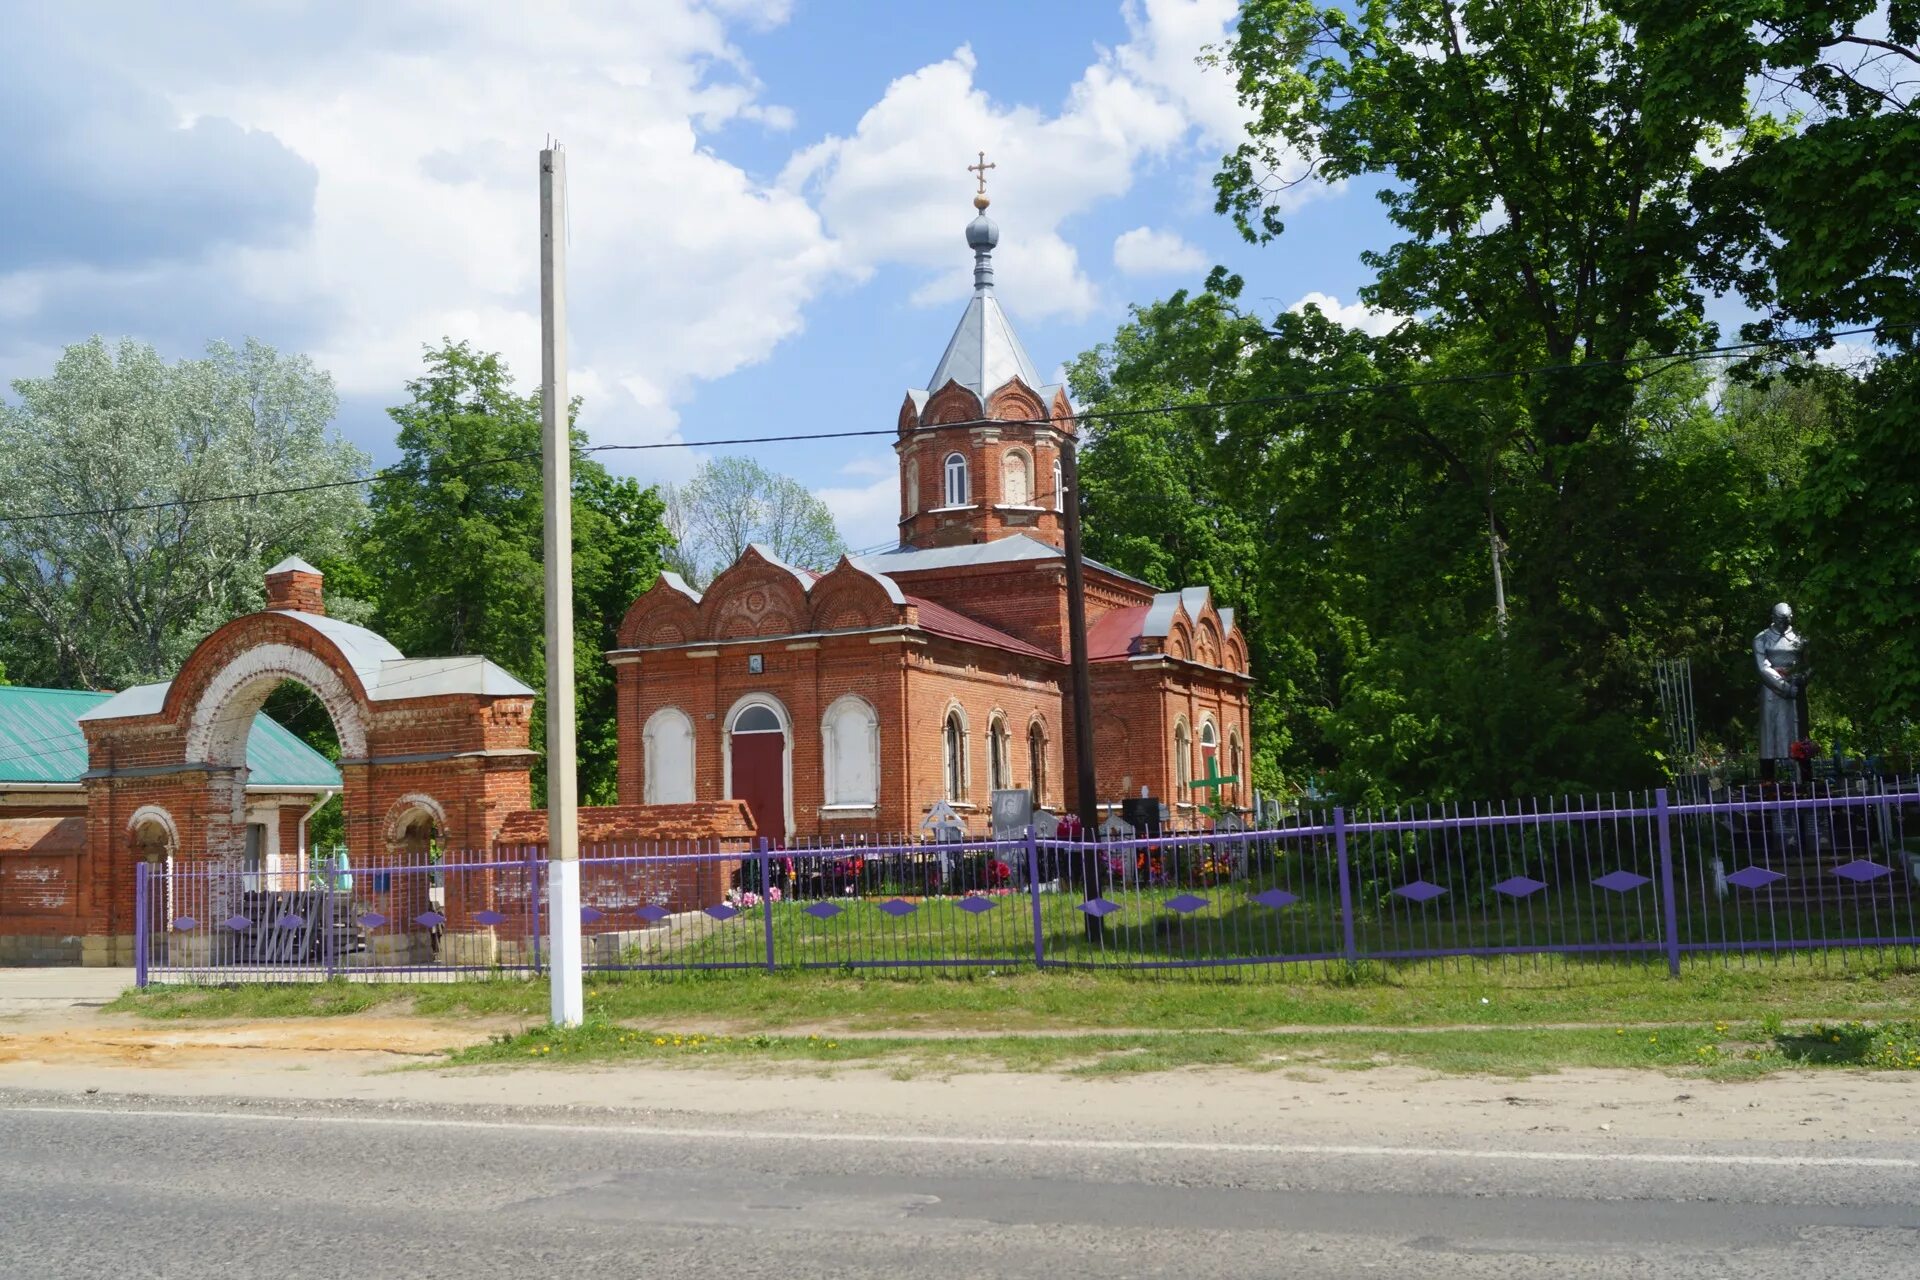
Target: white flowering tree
(115,557)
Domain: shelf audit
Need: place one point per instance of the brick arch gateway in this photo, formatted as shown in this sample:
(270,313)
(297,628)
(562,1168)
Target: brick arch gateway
(428,747)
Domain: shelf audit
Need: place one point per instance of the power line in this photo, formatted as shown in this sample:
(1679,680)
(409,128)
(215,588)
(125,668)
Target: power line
(1292,397)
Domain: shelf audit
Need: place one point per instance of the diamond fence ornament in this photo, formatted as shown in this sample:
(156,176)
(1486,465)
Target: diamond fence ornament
(1275,898)
(653,913)
(430,919)
(1519,886)
(1099,908)
(289,921)
(975,905)
(1621,881)
(1420,891)
(822,910)
(590,914)
(722,912)
(488,918)
(896,908)
(1860,870)
(236,922)
(1754,877)
(186,924)
(1186,902)
(372,920)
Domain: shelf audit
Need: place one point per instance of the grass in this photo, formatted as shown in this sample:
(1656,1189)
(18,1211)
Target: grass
(1521,993)
(1719,1050)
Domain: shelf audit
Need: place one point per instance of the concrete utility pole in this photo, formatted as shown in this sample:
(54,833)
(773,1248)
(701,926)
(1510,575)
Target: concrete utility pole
(556,447)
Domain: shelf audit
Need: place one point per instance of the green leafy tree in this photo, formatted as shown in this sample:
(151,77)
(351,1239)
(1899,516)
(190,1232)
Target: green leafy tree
(453,559)
(140,451)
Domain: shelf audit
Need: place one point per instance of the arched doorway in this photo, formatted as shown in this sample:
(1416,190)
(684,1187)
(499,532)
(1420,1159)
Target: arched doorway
(760,763)
(454,729)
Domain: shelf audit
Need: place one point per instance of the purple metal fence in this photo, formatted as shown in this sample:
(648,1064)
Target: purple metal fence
(1757,872)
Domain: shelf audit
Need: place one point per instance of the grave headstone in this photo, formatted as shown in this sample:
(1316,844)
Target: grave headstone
(1012,813)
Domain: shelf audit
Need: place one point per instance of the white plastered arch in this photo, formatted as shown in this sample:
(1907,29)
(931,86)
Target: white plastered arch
(220,721)
(403,810)
(153,814)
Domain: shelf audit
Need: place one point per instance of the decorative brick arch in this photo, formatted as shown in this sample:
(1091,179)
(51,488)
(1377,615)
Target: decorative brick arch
(222,717)
(447,737)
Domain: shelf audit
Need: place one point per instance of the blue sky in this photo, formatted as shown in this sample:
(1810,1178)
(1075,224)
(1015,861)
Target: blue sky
(768,196)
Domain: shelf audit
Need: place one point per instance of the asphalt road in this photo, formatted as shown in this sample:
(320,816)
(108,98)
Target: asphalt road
(94,1187)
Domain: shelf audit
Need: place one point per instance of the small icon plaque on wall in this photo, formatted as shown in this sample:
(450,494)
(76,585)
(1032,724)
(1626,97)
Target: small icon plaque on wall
(756,663)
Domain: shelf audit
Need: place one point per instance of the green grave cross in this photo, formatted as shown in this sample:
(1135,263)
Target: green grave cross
(1213,781)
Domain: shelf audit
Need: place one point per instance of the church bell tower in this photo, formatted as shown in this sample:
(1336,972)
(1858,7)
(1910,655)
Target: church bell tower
(980,445)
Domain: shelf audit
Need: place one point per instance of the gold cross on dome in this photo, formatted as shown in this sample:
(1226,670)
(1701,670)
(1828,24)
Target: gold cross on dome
(980,171)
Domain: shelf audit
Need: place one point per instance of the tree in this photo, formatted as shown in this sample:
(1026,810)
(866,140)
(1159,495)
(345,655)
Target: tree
(143,454)
(453,558)
(733,501)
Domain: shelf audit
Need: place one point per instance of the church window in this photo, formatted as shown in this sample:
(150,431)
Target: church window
(1209,749)
(757,718)
(1059,488)
(1016,487)
(851,752)
(956,480)
(1182,758)
(668,742)
(999,753)
(912,495)
(1234,764)
(1037,762)
(955,736)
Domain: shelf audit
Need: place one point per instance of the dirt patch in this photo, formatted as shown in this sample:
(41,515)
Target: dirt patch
(198,1044)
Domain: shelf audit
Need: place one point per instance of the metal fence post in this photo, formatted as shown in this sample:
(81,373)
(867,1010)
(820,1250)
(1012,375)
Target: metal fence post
(766,892)
(1349,947)
(142,923)
(1033,892)
(330,917)
(533,903)
(1670,913)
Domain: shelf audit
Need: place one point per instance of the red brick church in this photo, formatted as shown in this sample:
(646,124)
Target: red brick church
(846,704)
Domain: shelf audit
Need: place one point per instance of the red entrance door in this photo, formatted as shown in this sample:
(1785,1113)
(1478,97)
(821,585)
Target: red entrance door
(759,778)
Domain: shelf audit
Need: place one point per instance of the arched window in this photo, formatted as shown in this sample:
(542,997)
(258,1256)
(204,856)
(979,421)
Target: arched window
(757,718)
(668,743)
(1182,759)
(1037,762)
(999,755)
(1209,749)
(1016,478)
(851,752)
(956,492)
(955,736)
(1059,487)
(910,500)
(1234,764)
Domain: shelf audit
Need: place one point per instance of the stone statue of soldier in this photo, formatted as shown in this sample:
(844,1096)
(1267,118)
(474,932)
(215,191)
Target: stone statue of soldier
(1779,655)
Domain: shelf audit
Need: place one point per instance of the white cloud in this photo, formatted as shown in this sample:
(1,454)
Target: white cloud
(422,134)
(867,514)
(894,190)
(1354,315)
(1146,252)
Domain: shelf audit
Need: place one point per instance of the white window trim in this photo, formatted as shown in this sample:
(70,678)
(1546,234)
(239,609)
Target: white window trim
(998,721)
(947,469)
(650,781)
(965,506)
(966,756)
(829,752)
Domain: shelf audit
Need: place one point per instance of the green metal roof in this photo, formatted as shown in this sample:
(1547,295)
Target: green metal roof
(40,741)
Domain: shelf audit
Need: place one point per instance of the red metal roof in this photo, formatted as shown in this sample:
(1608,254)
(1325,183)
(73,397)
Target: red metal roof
(942,621)
(1113,633)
